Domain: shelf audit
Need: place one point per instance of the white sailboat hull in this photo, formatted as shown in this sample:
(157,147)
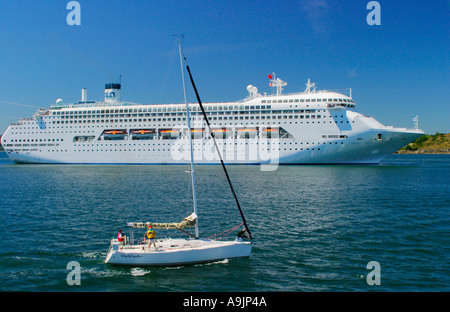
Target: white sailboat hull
(176,252)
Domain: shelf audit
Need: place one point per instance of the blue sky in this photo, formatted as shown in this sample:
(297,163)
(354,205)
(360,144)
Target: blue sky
(397,70)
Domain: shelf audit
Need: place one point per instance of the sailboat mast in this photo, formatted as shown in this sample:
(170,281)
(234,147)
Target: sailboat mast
(194,196)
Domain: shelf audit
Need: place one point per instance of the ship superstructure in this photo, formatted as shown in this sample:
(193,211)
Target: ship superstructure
(310,127)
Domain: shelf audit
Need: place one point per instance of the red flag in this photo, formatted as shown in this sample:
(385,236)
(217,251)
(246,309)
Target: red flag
(270,76)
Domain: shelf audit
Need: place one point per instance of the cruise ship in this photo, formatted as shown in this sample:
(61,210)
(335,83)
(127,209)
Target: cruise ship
(309,127)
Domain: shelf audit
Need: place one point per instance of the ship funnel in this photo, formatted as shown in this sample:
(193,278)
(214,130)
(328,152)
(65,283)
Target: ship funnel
(83,95)
(112,93)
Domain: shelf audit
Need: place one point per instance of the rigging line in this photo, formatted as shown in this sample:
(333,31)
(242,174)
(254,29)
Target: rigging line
(227,231)
(217,149)
(19,104)
(186,232)
(163,89)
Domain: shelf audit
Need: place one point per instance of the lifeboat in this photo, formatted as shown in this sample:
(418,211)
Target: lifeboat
(221,132)
(143,131)
(142,134)
(270,130)
(169,133)
(247,133)
(247,130)
(114,134)
(197,133)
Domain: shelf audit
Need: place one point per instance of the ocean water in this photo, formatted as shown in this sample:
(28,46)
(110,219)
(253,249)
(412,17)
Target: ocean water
(315,228)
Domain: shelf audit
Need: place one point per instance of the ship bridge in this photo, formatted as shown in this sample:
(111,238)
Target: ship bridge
(310,96)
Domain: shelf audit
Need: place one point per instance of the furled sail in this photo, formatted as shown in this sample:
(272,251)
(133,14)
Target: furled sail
(189,221)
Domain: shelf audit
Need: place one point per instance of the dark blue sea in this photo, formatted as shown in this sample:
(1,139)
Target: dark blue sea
(316,228)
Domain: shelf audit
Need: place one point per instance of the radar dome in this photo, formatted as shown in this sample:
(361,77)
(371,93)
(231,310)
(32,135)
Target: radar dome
(252,89)
(59,102)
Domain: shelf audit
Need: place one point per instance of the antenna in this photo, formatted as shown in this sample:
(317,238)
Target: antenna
(278,83)
(309,85)
(416,122)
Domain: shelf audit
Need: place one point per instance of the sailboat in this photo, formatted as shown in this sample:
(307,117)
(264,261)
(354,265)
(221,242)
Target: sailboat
(181,251)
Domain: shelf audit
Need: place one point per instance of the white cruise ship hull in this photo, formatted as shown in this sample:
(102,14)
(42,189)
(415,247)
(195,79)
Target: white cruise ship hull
(363,148)
(304,128)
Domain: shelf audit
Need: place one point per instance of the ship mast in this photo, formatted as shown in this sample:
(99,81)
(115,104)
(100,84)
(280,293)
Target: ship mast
(309,85)
(277,83)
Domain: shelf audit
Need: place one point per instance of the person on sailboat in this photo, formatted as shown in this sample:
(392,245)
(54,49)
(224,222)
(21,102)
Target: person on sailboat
(241,235)
(120,237)
(151,234)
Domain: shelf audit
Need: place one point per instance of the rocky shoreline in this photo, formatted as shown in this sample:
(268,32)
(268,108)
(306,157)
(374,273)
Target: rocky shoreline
(425,151)
(438,143)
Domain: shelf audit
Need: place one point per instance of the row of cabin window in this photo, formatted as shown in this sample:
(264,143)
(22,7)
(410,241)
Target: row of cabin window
(274,112)
(183,119)
(193,109)
(288,111)
(306,100)
(161,109)
(36,140)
